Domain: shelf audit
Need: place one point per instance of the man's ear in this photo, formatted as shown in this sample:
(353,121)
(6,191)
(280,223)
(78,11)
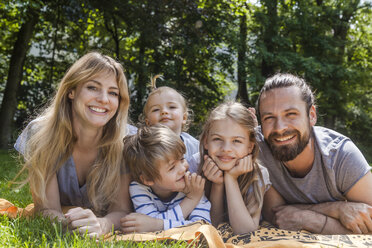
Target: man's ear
(145,181)
(312,115)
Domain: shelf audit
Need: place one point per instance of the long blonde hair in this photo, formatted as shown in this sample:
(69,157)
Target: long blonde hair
(52,138)
(245,118)
(159,90)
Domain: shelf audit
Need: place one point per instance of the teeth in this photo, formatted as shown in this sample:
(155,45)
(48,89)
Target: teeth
(225,158)
(284,138)
(99,110)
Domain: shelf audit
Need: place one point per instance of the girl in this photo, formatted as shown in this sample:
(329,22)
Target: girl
(228,155)
(73,150)
(166,106)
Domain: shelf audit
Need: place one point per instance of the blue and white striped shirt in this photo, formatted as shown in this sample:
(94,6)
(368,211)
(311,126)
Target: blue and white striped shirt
(145,201)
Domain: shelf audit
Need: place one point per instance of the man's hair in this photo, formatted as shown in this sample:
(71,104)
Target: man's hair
(284,80)
(150,145)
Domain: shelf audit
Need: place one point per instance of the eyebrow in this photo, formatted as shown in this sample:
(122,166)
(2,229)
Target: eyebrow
(286,110)
(98,82)
(237,136)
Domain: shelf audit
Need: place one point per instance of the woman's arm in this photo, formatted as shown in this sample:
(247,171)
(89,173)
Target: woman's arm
(52,207)
(85,221)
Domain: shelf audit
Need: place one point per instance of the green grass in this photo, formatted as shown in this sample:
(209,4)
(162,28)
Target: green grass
(41,232)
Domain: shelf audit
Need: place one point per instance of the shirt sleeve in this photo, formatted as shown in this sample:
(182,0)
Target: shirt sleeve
(266,178)
(200,212)
(20,144)
(145,202)
(350,166)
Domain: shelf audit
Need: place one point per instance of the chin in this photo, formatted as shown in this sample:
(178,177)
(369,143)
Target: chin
(225,167)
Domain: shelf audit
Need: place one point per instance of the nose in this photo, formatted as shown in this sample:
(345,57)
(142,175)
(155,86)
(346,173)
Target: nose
(226,146)
(103,97)
(280,125)
(164,111)
(185,165)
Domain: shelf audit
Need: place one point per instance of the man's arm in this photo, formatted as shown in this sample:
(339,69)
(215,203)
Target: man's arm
(297,217)
(272,199)
(356,213)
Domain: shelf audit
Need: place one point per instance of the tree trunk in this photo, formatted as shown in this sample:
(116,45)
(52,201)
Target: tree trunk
(271,31)
(9,103)
(242,50)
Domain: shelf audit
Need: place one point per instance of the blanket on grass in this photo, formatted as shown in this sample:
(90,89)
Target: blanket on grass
(200,233)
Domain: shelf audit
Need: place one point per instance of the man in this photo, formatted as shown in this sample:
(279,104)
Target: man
(321,181)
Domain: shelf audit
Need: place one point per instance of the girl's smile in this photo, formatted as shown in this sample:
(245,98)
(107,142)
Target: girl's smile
(227,145)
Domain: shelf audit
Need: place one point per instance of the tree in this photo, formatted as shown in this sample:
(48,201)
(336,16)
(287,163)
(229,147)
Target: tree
(9,102)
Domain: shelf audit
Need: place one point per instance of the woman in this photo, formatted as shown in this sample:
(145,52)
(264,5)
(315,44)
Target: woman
(73,150)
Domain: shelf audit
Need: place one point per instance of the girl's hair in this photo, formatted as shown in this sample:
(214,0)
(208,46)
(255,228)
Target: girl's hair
(245,118)
(150,145)
(52,137)
(159,90)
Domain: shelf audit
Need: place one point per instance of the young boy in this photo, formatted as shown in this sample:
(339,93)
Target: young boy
(163,188)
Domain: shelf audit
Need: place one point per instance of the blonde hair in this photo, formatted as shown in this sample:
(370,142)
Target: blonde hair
(159,90)
(246,119)
(52,138)
(150,145)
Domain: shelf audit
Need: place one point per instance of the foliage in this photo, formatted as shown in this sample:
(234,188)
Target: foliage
(203,51)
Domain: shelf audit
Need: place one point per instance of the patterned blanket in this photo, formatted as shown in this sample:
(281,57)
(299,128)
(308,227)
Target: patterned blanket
(204,234)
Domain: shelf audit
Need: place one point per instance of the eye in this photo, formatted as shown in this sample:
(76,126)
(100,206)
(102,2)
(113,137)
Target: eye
(237,141)
(113,93)
(171,168)
(216,139)
(90,87)
(173,107)
(268,118)
(291,114)
(155,110)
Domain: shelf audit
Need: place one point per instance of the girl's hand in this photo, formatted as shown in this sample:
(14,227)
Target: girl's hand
(194,188)
(84,221)
(244,165)
(211,171)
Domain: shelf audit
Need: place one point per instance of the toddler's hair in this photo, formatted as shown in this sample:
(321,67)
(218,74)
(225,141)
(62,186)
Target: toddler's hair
(150,145)
(245,118)
(159,90)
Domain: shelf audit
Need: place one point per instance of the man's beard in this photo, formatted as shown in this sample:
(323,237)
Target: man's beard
(286,153)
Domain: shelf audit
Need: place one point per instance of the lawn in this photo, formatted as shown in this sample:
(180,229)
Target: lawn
(38,231)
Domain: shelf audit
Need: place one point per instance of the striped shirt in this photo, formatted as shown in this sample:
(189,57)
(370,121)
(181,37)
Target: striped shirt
(145,201)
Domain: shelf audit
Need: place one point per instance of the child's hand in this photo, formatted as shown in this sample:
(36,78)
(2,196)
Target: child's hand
(136,222)
(244,165)
(194,186)
(211,171)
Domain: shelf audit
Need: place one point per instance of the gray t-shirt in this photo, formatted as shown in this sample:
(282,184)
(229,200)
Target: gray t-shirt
(337,166)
